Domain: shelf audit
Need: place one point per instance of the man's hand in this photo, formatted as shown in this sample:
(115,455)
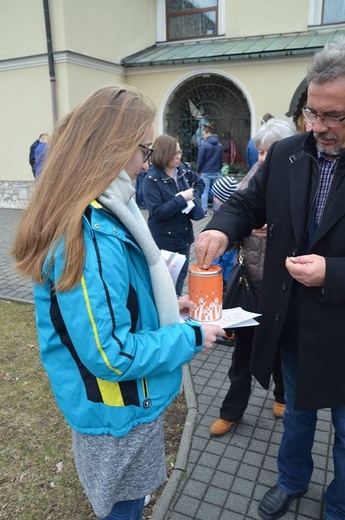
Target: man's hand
(209,245)
(310,270)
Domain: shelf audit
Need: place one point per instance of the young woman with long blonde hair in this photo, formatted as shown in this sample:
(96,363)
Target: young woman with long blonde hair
(106,310)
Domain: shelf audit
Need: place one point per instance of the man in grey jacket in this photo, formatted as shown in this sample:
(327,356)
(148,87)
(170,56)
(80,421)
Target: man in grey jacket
(299,192)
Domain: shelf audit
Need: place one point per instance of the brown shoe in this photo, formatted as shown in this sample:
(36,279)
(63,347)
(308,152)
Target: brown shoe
(220,427)
(278,410)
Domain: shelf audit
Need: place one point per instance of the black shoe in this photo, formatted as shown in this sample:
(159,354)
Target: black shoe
(228,339)
(276,503)
(228,342)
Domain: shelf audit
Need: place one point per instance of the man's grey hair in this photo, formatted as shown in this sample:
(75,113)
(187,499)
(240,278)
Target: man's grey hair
(272,131)
(328,64)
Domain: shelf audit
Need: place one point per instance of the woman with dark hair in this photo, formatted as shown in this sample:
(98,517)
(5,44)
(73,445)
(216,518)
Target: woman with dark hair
(168,188)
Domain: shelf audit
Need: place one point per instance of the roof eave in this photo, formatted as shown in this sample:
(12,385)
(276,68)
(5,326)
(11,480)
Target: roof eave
(231,57)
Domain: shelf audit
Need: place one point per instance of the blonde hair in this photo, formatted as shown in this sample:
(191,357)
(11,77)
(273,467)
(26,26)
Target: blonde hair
(88,149)
(44,138)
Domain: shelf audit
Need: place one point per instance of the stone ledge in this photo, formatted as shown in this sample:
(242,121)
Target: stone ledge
(15,194)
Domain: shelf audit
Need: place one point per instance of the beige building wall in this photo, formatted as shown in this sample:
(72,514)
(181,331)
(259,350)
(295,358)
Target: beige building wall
(252,18)
(108,29)
(25,112)
(22,31)
(76,82)
(89,40)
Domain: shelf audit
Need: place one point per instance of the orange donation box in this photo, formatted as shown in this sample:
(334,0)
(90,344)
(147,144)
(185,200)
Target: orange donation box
(206,291)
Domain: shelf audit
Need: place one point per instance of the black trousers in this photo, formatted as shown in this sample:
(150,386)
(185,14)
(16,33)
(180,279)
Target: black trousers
(237,397)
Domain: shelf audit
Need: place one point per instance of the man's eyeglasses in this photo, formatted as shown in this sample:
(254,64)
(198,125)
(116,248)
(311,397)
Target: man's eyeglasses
(330,121)
(147,152)
(179,153)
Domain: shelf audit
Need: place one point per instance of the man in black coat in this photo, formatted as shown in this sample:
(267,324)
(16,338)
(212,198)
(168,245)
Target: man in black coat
(300,193)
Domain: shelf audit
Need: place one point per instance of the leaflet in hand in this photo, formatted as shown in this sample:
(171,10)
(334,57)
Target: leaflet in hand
(232,318)
(174,262)
(189,207)
(237,317)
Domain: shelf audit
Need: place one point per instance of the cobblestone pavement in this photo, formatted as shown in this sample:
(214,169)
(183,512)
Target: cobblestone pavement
(12,286)
(214,478)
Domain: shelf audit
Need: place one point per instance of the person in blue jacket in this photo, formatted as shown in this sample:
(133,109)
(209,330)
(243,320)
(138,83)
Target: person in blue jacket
(107,315)
(252,154)
(32,154)
(168,187)
(40,153)
(209,163)
(222,189)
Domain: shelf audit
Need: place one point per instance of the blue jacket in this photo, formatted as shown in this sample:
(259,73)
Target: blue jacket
(32,160)
(210,156)
(40,154)
(251,154)
(171,229)
(110,365)
(226,261)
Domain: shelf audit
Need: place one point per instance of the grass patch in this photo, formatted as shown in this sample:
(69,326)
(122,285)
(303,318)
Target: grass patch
(37,475)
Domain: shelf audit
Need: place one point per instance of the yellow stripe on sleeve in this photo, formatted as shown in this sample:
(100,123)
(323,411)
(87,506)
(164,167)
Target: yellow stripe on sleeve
(94,328)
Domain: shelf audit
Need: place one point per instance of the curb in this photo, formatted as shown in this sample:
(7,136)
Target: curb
(10,299)
(162,506)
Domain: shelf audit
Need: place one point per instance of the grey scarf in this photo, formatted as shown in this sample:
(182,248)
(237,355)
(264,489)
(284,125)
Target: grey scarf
(118,199)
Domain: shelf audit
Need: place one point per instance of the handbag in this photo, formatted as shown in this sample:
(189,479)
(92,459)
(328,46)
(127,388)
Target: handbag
(240,290)
(197,213)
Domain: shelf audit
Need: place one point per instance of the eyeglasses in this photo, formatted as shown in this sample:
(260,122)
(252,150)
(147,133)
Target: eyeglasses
(179,153)
(147,152)
(330,121)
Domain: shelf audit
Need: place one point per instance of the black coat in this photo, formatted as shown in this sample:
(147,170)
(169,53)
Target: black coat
(282,194)
(171,229)
(32,159)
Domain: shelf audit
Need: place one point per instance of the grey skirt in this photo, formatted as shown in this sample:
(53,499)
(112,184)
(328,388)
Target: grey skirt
(114,469)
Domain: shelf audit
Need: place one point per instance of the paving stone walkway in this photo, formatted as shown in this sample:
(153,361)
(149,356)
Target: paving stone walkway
(214,478)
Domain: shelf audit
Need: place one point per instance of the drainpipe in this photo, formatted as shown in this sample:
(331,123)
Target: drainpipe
(50,60)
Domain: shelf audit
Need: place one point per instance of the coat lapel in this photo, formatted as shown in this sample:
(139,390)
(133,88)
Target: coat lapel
(300,175)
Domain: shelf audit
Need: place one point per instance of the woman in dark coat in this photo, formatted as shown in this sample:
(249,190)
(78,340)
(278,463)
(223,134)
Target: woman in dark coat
(169,189)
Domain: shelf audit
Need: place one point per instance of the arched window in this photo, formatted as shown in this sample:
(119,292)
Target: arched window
(206,99)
